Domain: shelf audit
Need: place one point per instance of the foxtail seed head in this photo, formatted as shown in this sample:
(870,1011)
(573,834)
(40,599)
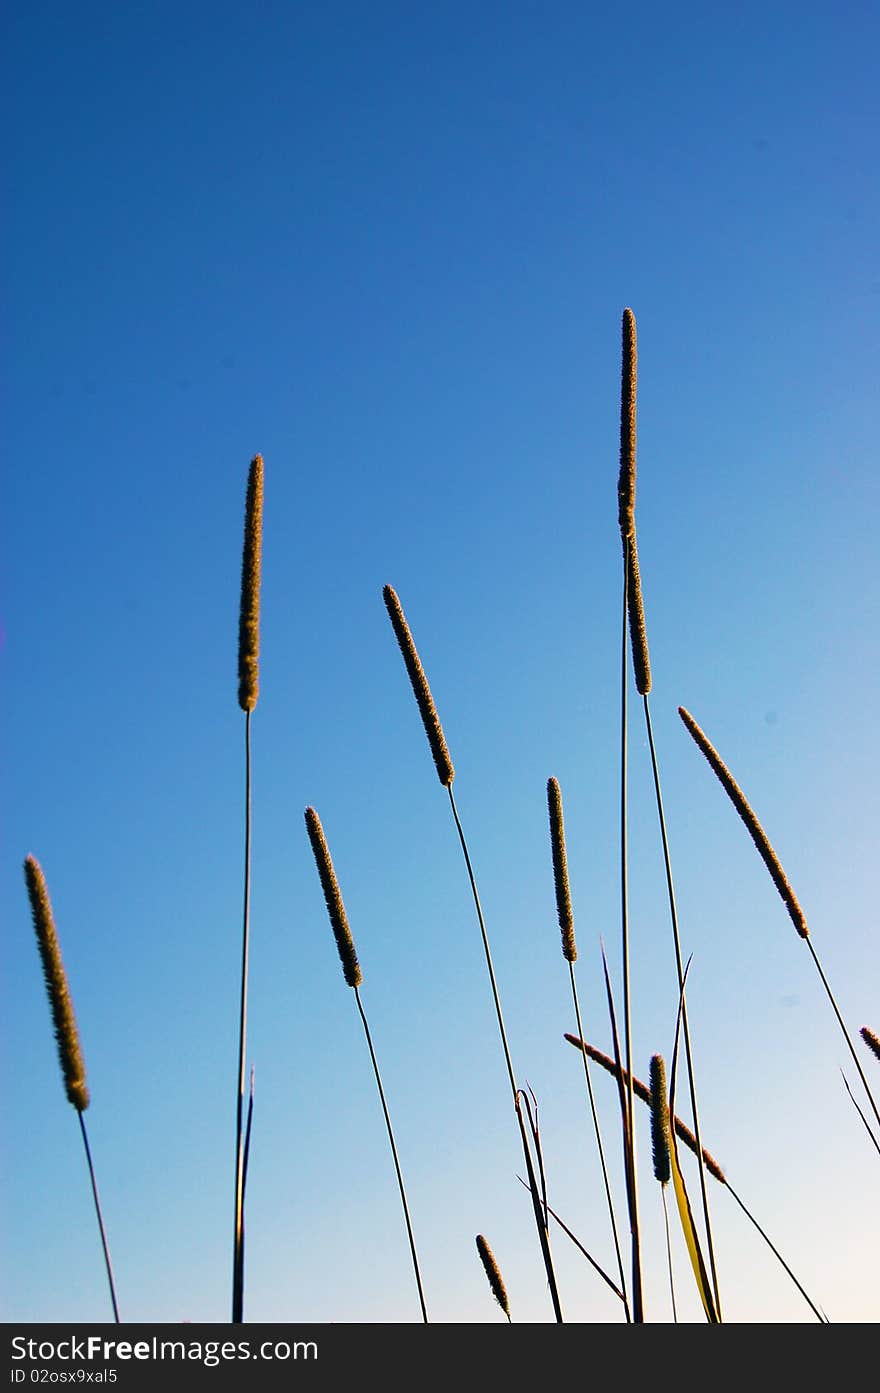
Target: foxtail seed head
(641,1090)
(871,1040)
(64,1021)
(335,908)
(249,614)
(755,830)
(560,870)
(487,1258)
(659,1119)
(638,634)
(626,484)
(421,690)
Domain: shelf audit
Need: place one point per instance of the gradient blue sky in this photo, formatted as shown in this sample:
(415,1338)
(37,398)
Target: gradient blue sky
(388,247)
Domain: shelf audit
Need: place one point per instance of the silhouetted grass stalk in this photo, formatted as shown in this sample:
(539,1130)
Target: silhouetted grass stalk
(70,1056)
(660,1153)
(565,916)
(673,914)
(773,864)
(248,692)
(446,774)
(351,971)
(626,506)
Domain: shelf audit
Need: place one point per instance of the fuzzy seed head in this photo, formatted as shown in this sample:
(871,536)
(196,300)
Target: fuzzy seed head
(421,690)
(871,1040)
(755,830)
(487,1258)
(638,634)
(659,1119)
(626,484)
(560,870)
(249,613)
(641,1090)
(63,1019)
(335,908)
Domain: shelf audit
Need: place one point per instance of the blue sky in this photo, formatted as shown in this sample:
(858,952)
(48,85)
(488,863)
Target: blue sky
(389,249)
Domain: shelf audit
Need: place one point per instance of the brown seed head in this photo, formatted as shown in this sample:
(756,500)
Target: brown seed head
(638,634)
(560,870)
(487,1258)
(249,613)
(422,691)
(755,830)
(626,484)
(63,1019)
(335,908)
(641,1090)
(659,1119)
(871,1040)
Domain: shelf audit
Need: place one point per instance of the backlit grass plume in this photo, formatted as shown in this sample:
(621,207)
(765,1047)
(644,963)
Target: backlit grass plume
(73,1069)
(70,1057)
(771,861)
(626,484)
(560,870)
(684,1133)
(335,908)
(249,616)
(638,633)
(871,1040)
(487,1258)
(352,974)
(753,826)
(424,700)
(659,1119)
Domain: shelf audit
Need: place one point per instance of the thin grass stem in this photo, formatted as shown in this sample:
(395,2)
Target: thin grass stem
(630,1139)
(581,1249)
(860,1113)
(103,1231)
(669,1254)
(605,1179)
(842,1025)
(673,913)
(400,1185)
(543,1235)
(238,1235)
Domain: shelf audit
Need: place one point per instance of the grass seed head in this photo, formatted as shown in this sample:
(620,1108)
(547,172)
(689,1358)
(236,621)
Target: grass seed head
(249,614)
(659,1119)
(560,870)
(755,830)
(487,1258)
(626,484)
(638,634)
(422,691)
(871,1040)
(335,908)
(73,1068)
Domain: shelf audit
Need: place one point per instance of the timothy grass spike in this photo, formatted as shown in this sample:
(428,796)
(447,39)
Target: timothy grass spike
(335,908)
(249,615)
(871,1040)
(755,830)
(70,1057)
(421,690)
(487,1257)
(659,1119)
(560,870)
(638,633)
(626,484)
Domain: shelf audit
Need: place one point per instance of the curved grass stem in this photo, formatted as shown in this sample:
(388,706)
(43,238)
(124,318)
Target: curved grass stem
(400,1185)
(238,1235)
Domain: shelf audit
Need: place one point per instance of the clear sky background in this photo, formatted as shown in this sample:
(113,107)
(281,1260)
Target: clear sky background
(388,247)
